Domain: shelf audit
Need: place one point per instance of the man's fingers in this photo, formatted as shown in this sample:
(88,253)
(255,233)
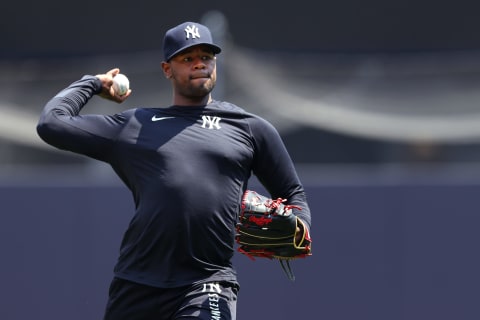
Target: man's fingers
(115,97)
(107,89)
(113,72)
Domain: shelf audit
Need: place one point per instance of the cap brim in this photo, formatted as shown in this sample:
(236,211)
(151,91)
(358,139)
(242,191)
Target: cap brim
(216,49)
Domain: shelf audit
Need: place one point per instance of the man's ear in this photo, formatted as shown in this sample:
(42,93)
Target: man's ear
(167,71)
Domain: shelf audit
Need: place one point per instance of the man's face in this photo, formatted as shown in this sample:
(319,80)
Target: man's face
(193,71)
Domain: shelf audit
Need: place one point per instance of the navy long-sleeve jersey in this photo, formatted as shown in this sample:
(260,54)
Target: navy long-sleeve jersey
(187,168)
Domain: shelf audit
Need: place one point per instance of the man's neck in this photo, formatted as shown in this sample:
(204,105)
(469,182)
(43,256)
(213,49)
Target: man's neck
(192,102)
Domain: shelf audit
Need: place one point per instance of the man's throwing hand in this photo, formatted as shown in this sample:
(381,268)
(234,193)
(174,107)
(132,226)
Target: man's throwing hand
(107,87)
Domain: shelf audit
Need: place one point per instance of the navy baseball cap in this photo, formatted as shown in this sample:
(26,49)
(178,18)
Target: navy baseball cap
(186,35)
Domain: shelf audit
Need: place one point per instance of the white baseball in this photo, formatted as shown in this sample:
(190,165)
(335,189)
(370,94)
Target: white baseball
(121,84)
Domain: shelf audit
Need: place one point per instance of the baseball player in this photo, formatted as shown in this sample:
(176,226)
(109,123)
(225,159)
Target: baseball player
(187,166)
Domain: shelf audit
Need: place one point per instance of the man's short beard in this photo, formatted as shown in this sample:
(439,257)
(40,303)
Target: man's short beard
(199,92)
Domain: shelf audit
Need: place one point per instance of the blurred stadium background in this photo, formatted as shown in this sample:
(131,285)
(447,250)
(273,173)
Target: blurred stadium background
(345,83)
(367,96)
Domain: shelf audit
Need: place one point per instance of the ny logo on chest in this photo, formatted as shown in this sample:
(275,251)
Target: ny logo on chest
(211,122)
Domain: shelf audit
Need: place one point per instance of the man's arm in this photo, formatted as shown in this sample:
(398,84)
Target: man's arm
(61,126)
(276,171)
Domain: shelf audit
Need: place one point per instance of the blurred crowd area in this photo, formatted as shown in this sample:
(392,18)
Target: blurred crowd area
(332,108)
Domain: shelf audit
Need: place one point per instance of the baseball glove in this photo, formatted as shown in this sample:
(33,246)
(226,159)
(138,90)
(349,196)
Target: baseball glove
(267,228)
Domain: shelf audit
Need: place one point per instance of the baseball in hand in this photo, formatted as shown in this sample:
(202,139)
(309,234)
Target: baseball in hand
(121,84)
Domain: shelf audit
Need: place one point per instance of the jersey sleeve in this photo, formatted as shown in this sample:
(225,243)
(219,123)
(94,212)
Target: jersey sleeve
(62,126)
(275,169)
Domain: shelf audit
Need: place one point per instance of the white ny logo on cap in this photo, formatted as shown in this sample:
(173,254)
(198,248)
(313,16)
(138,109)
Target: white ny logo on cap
(192,31)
